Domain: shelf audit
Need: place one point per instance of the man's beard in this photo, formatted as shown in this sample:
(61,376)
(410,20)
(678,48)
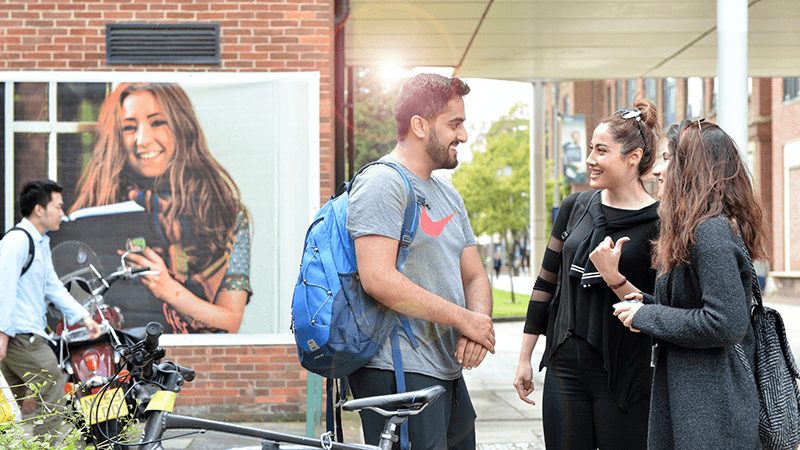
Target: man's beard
(440,154)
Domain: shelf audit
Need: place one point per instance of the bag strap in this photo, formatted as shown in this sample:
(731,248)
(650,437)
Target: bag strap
(756,288)
(408,230)
(755,305)
(578,201)
(31,249)
(410,216)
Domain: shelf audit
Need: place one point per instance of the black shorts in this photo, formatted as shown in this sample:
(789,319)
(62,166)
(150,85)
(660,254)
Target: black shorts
(447,423)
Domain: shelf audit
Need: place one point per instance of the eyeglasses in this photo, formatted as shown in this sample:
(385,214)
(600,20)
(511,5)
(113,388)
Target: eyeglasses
(633,113)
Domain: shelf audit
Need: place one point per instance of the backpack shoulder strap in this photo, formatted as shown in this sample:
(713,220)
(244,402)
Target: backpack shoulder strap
(584,200)
(410,216)
(31,249)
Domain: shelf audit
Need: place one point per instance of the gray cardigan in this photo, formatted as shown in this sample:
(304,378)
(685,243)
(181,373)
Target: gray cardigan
(702,396)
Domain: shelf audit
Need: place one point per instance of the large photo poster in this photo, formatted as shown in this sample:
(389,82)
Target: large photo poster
(573,149)
(219,175)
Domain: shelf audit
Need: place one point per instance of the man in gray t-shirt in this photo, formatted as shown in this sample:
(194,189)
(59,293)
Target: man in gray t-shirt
(443,289)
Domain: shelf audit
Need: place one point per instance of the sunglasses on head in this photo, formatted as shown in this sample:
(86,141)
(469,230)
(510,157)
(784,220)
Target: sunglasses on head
(633,113)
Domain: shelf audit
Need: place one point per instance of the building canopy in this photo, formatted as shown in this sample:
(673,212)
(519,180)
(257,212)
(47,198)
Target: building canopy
(522,40)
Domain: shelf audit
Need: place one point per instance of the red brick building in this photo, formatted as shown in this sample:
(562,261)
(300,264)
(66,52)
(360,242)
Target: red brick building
(248,381)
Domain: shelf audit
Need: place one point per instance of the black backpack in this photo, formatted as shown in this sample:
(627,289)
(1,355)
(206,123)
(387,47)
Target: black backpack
(31,249)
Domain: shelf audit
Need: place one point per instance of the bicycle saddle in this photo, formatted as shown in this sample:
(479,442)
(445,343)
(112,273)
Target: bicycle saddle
(414,400)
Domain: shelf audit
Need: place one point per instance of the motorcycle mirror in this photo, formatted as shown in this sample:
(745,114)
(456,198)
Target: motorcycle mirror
(136,244)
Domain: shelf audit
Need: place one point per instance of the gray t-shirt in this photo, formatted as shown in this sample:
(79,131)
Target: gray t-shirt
(377,203)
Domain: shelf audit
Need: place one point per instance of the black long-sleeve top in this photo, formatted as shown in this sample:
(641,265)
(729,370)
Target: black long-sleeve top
(587,312)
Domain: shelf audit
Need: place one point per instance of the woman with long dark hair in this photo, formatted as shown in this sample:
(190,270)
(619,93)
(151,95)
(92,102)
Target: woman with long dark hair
(597,384)
(703,395)
(150,149)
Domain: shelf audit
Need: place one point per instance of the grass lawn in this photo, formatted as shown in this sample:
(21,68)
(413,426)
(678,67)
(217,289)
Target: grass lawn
(504,307)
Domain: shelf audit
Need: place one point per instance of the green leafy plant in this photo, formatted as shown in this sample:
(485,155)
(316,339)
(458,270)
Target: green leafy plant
(13,435)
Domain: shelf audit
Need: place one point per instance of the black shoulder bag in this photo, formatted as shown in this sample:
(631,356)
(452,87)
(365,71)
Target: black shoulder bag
(775,375)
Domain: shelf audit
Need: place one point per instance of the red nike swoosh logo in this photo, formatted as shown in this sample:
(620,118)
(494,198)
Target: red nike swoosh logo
(432,228)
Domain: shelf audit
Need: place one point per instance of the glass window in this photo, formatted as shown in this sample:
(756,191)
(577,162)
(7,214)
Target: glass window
(620,98)
(53,147)
(610,100)
(30,102)
(74,151)
(791,88)
(631,90)
(80,102)
(670,101)
(694,98)
(30,161)
(650,89)
(567,104)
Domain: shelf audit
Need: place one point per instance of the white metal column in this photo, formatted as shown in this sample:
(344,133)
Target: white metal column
(8,201)
(732,107)
(537,179)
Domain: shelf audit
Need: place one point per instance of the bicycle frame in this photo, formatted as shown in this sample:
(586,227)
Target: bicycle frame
(161,421)
(168,377)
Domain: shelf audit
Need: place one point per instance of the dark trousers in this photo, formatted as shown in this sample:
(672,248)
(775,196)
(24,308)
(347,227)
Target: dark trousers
(447,423)
(578,411)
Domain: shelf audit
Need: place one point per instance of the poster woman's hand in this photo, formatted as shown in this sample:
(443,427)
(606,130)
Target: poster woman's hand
(161,285)
(225,312)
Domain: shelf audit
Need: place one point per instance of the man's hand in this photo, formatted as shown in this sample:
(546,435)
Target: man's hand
(469,353)
(479,328)
(93,327)
(3,345)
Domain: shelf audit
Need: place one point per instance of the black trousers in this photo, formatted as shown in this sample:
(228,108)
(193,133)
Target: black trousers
(578,412)
(447,423)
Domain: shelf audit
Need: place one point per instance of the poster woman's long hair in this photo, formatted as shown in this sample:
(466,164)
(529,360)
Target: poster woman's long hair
(201,189)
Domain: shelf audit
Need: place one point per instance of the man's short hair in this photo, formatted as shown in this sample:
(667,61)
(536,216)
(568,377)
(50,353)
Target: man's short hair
(37,192)
(425,95)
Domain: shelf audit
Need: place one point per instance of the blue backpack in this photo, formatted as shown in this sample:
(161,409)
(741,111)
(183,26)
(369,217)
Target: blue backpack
(338,327)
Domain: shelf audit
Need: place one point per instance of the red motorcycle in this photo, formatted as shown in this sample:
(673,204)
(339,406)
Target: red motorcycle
(91,364)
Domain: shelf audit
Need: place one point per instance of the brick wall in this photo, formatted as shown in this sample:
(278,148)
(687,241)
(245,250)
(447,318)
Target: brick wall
(785,129)
(256,382)
(255,36)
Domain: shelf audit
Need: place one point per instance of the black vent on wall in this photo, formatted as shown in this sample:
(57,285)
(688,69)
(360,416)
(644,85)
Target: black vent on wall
(128,43)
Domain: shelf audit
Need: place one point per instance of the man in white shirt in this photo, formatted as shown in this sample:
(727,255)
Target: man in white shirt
(25,355)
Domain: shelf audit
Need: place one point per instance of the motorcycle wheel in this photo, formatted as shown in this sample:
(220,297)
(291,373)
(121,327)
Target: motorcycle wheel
(111,428)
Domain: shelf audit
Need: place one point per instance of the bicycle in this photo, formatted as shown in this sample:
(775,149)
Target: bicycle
(154,387)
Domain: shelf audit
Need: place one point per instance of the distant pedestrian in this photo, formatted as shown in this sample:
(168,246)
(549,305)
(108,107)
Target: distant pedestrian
(498,263)
(597,384)
(703,394)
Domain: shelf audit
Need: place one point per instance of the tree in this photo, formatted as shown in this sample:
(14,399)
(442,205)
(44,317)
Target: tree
(375,129)
(495,184)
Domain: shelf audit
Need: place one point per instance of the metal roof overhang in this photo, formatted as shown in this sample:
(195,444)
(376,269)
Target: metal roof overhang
(523,40)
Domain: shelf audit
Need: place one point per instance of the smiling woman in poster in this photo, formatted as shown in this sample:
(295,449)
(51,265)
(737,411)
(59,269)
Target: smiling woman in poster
(150,149)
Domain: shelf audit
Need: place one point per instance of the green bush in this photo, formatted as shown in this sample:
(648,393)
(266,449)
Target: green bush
(14,436)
